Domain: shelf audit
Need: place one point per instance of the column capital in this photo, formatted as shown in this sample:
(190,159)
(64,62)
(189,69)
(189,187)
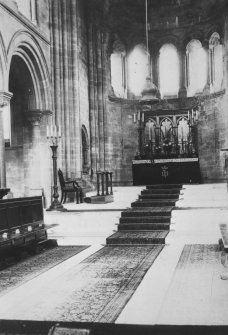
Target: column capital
(5,98)
(34,116)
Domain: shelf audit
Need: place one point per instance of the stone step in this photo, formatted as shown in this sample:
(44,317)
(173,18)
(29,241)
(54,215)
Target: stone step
(144,226)
(159,196)
(164,186)
(137,237)
(147,211)
(161,191)
(153,203)
(146,219)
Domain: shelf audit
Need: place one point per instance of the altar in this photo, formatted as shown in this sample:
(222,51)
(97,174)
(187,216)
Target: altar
(166,171)
(167,143)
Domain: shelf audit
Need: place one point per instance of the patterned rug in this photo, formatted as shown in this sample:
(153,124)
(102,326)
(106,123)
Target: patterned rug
(197,295)
(95,290)
(32,267)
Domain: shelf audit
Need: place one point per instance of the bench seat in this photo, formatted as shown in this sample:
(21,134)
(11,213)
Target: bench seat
(21,223)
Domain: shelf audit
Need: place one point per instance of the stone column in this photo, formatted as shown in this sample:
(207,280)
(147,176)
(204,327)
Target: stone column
(4,101)
(32,160)
(155,72)
(183,71)
(210,69)
(33,11)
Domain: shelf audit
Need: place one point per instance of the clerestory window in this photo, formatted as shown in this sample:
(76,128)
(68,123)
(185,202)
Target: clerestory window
(169,71)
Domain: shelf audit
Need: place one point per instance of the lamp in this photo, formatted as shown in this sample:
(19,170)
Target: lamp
(150,91)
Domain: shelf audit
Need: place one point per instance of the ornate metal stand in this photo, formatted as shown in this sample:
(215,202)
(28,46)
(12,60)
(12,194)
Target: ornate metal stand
(55,205)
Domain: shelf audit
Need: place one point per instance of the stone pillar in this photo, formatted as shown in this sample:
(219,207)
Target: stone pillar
(4,101)
(155,71)
(33,11)
(100,98)
(92,103)
(2,153)
(32,160)
(210,69)
(183,71)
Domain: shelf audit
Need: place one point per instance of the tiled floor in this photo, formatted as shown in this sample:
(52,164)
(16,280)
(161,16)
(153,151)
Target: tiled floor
(196,221)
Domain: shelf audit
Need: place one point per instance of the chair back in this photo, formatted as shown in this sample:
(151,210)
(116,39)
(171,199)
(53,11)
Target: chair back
(61,178)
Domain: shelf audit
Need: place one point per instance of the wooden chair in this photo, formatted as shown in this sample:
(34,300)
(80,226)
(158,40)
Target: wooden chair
(70,186)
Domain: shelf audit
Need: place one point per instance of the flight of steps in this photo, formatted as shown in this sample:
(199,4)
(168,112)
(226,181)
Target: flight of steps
(148,219)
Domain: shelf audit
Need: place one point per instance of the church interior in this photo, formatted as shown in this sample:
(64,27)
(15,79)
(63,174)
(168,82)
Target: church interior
(113,167)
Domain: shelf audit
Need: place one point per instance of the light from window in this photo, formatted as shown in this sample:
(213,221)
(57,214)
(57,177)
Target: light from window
(117,74)
(197,67)
(137,70)
(218,63)
(169,70)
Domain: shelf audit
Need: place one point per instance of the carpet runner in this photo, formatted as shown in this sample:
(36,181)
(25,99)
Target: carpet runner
(197,295)
(98,288)
(33,266)
(148,219)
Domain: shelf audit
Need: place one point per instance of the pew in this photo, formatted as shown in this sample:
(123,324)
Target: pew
(21,224)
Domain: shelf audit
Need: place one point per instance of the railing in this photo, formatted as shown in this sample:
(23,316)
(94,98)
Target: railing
(104,183)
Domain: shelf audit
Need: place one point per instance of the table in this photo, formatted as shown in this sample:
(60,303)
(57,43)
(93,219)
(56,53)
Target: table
(166,171)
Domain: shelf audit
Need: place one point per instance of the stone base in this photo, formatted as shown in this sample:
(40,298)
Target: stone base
(99,199)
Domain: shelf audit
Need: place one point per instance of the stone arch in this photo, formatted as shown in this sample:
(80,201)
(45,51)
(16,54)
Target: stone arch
(24,45)
(195,35)
(215,29)
(169,39)
(3,64)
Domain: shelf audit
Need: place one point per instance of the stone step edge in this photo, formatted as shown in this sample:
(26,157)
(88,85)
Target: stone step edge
(134,244)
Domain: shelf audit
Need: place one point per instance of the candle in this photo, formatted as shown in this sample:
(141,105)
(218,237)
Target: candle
(134,117)
(48,132)
(59,131)
(176,21)
(142,117)
(55,131)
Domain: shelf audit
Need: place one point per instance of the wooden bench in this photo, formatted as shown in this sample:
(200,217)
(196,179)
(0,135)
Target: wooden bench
(21,224)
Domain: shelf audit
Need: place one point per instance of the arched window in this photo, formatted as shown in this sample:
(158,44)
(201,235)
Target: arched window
(85,150)
(197,67)
(216,61)
(118,78)
(169,70)
(137,69)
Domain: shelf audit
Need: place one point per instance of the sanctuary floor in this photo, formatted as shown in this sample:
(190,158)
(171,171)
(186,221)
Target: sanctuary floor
(192,293)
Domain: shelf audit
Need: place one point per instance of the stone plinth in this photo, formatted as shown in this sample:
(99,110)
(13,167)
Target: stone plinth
(99,199)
